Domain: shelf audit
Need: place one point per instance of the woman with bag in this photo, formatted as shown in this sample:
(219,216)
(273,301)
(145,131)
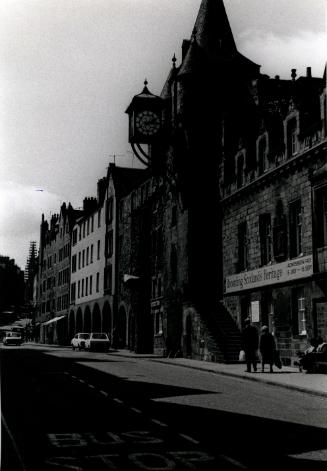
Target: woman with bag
(267,348)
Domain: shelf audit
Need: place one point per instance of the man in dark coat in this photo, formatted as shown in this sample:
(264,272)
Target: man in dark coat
(267,348)
(250,342)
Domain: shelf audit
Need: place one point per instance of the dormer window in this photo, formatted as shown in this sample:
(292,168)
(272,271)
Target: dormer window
(262,155)
(240,171)
(292,144)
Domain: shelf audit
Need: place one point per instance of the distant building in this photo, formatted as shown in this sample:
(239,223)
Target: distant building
(54,276)
(11,289)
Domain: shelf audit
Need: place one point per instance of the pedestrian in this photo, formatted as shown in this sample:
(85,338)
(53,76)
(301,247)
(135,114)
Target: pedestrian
(250,341)
(267,348)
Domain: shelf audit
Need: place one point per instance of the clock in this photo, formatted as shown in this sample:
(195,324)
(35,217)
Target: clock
(147,123)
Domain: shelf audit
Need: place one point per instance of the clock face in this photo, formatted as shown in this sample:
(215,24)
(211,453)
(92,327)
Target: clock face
(147,123)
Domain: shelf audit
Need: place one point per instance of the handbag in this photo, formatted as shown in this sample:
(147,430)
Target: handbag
(241,356)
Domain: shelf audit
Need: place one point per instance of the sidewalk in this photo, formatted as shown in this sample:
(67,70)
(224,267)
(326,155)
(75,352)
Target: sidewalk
(287,377)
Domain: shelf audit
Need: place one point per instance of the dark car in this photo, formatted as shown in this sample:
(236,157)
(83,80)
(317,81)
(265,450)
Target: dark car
(12,338)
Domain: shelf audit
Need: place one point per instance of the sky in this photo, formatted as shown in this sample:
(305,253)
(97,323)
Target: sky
(69,69)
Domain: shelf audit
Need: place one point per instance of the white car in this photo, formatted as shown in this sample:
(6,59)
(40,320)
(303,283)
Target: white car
(13,338)
(79,340)
(97,341)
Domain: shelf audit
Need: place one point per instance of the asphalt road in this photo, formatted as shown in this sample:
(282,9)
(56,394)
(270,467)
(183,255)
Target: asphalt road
(68,410)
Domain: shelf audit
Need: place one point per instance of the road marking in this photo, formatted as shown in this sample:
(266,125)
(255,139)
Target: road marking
(138,411)
(14,444)
(66,373)
(233,461)
(162,424)
(314,455)
(104,393)
(117,400)
(81,380)
(91,386)
(73,376)
(190,439)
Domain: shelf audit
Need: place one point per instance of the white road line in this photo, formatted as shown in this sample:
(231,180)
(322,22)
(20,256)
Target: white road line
(14,444)
(104,393)
(190,439)
(81,380)
(117,400)
(233,461)
(314,455)
(162,424)
(66,373)
(138,411)
(91,386)
(73,376)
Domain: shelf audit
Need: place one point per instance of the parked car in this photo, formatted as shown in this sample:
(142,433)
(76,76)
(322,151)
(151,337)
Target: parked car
(97,341)
(13,338)
(78,341)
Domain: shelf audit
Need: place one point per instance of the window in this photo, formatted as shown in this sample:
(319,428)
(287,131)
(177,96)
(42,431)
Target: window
(99,218)
(86,286)
(83,287)
(295,218)
(79,289)
(298,312)
(173,263)
(73,263)
(83,258)
(80,233)
(74,236)
(109,210)
(87,255)
(83,229)
(108,278)
(173,216)
(109,243)
(98,249)
(88,227)
(321,216)
(240,171)
(91,283)
(291,137)
(92,223)
(265,238)
(79,260)
(97,282)
(91,258)
(262,155)
(73,293)
(242,247)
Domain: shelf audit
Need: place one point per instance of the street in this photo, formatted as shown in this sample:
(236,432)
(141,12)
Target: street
(72,410)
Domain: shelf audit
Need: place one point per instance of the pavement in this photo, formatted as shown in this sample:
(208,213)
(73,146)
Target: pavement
(287,377)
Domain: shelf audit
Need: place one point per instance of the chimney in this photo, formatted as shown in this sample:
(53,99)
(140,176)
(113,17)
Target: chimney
(293,74)
(102,188)
(89,204)
(309,72)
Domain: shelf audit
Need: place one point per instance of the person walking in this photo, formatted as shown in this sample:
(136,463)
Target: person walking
(267,348)
(250,340)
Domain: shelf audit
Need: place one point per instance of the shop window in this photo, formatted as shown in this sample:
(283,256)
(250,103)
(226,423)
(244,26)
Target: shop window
(298,312)
(295,221)
(265,238)
(242,246)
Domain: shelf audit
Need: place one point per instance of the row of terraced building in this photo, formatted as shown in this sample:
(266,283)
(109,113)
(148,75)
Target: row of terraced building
(228,220)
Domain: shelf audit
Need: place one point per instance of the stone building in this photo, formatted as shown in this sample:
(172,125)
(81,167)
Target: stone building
(88,305)
(274,213)
(53,292)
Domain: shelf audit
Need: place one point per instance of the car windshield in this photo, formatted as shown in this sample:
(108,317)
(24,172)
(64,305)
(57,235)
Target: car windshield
(84,336)
(99,336)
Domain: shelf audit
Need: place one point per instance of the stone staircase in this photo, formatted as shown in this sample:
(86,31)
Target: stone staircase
(224,336)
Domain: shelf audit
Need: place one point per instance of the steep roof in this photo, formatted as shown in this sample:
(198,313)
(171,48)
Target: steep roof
(213,43)
(126,179)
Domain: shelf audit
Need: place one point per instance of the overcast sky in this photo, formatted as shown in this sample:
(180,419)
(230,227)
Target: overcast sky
(69,68)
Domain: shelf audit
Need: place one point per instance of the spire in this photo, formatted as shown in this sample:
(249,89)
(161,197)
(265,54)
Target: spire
(212,30)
